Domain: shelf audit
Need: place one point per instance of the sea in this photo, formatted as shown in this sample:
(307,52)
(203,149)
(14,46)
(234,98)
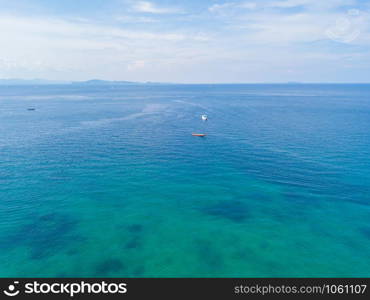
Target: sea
(108,181)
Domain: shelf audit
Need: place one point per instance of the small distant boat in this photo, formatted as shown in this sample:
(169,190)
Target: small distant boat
(198,134)
(204,117)
(31,108)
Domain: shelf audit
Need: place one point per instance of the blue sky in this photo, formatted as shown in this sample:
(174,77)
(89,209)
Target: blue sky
(186,41)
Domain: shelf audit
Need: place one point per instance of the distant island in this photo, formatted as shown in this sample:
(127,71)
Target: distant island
(14,81)
(98,82)
(104,82)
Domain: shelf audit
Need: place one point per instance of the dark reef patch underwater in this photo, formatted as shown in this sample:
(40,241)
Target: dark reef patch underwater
(108,181)
(232,210)
(45,235)
(109,266)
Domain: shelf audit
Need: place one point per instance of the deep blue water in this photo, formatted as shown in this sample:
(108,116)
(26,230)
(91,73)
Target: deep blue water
(108,181)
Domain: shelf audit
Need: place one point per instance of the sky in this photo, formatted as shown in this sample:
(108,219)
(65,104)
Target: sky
(188,41)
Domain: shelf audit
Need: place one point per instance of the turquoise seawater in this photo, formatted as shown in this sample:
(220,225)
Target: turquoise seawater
(107,181)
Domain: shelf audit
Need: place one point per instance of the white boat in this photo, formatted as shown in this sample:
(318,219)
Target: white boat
(204,117)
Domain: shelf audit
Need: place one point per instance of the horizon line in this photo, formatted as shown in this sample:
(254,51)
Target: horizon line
(128,82)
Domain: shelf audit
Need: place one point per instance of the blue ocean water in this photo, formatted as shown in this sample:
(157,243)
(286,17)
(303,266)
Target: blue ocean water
(107,181)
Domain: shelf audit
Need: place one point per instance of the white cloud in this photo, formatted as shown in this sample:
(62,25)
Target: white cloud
(60,49)
(281,4)
(135,65)
(134,19)
(251,41)
(218,8)
(248,5)
(289,3)
(317,4)
(267,23)
(60,28)
(149,7)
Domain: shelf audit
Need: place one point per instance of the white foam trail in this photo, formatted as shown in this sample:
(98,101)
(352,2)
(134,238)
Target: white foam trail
(149,109)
